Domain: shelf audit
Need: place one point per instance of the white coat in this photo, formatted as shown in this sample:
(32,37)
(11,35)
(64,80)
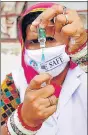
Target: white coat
(70,117)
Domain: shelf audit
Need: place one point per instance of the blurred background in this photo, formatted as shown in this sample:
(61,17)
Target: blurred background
(10,46)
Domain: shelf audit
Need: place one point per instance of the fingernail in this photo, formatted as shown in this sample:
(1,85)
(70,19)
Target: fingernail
(41,25)
(43,84)
(35,23)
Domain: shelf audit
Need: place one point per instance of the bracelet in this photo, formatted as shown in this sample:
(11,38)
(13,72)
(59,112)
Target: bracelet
(20,127)
(23,123)
(10,128)
(7,128)
(14,128)
(80,53)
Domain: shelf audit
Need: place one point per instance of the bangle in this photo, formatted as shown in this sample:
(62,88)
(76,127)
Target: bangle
(15,127)
(23,123)
(80,54)
(81,57)
(20,127)
(7,128)
(10,129)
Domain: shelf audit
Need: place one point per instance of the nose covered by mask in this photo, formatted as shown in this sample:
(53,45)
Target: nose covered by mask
(55,61)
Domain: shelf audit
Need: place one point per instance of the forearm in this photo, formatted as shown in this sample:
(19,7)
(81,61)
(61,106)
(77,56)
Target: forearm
(77,42)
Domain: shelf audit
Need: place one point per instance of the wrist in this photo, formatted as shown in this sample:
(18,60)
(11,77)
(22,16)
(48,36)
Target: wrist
(14,126)
(78,43)
(28,124)
(24,116)
(82,39)
(26,120)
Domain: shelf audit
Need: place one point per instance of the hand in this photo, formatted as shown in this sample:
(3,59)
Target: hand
(64,28)
(36,106)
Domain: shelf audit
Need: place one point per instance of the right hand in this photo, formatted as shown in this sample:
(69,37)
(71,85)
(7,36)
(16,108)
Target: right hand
(36,106)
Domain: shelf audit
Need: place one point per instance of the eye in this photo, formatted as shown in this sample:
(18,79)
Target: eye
(49,39)
(34,41)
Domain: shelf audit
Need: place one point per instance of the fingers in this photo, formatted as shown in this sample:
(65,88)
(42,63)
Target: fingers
(58,25)
(46,112)
(50,110)
(44,92)
(53,100)
(73,29)
(74,25)
(38,80)
(61,21)
(69,29)
(70,17)
(47,102)
(47,15)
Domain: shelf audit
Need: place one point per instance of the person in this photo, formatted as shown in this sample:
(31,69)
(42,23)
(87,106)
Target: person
(47,97)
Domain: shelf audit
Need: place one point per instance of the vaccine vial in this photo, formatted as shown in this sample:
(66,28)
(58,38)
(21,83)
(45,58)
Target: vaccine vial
(41,37)
(42,40)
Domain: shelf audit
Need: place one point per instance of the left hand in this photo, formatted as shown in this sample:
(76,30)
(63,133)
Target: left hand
(67,26)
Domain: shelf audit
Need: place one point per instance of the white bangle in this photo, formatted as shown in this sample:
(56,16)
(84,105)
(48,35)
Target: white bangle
(79,54)
(15,127)
(10,128)
(20,127)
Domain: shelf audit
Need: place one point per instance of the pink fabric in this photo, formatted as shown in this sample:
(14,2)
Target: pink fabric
(72,65)
(57,89)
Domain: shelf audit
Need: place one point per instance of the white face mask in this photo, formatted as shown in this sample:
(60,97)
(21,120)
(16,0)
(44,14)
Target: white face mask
(55,61)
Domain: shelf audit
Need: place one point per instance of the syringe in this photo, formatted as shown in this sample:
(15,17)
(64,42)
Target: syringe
(42,40)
